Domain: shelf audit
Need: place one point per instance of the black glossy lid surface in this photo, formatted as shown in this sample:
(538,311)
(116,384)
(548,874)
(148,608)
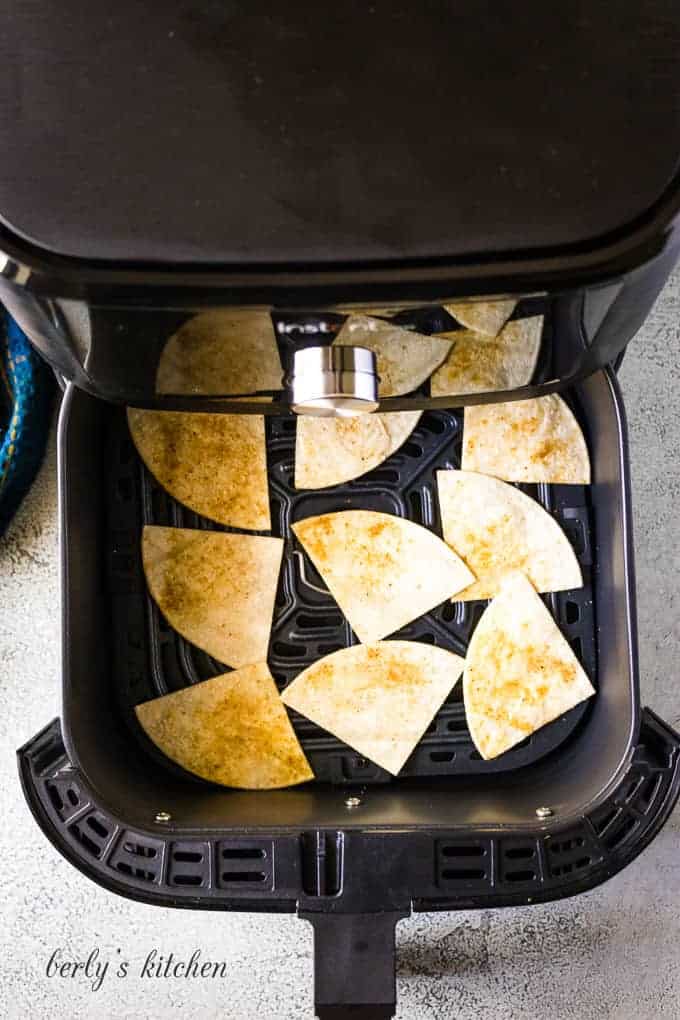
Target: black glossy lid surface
(237,131)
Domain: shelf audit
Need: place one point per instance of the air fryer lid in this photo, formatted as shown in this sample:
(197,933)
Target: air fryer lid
(256,132)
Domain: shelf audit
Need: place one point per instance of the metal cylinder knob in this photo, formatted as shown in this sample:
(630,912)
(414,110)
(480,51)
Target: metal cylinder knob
(335,381)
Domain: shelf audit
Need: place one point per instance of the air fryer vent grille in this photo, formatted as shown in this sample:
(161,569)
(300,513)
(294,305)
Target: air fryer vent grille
(472,868)
(151,659)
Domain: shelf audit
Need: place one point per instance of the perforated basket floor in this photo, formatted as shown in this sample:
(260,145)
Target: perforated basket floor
(152,659)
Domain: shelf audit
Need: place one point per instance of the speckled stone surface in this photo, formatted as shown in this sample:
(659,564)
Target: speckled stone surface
(614,952)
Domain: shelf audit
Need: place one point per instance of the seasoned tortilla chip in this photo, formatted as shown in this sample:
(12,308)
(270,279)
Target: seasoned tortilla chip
(486,317)
(231,729)
(383,571)
(536,440)
(478,364)
(520,672)
(213,463)
(216,589)
(405,358)
(378,698)
(329,451)
(495,528)
(221,351)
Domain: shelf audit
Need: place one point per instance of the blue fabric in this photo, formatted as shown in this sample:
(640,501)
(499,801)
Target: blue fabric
(26,392)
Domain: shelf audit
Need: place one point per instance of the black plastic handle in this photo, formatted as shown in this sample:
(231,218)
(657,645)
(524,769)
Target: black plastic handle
(354,965)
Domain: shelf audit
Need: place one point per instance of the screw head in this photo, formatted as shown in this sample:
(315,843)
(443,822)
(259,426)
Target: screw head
(544,812)
(163,816)
(352,802)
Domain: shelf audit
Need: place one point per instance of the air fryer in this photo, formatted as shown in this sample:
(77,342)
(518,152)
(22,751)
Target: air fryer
(307,164)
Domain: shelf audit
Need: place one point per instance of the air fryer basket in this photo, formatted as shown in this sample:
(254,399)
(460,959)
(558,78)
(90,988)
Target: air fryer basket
(354,851)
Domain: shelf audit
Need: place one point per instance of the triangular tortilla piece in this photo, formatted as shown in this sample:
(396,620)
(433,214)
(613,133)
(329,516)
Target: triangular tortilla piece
(520,672)
(537,440)
(329,451)
(478,364)
(379,698)
(216,589)
(383,571)
(221,351)
(231,729)
(495,528)
(486,317)
(213,463)
(405,358)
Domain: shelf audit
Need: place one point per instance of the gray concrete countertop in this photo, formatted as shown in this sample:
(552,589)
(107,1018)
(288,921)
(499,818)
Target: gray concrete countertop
(613,952)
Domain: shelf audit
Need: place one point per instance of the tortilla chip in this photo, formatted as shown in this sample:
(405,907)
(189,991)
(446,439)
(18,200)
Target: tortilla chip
(379,699)
(329,451)
(213,463)
(221,351)
(405,358)
(383,571)
(536,440)
(478,364)
(520,672)
(216,589)
(231,729)
(495,528)
(486,317)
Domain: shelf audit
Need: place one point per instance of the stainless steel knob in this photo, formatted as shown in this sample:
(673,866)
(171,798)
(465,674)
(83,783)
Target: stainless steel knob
(339,381)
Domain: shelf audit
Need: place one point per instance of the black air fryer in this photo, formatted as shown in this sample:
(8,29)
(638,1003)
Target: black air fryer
(308,160)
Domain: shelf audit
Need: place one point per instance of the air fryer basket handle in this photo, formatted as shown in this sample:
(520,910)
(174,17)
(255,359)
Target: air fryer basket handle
(354,965)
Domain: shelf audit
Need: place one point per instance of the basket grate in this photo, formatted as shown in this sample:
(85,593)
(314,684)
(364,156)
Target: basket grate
(152,659)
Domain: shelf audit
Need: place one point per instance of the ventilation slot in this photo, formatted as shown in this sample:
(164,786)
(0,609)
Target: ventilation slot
(384,475)
(433,424)
(189,864)
(138,857)
(287,651)
(571,852)
(647,792)
(306,621)
(520,876)
(466,864)
(457,726)
(92,833)
(520,854)
(449,612)
(65,798)
(603,820)
(441,757)
(139,850)
(55,797)
(322,862)
(560,870)
(572,612)
(620,832)
(519,861)
(243,864)
(468,850)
